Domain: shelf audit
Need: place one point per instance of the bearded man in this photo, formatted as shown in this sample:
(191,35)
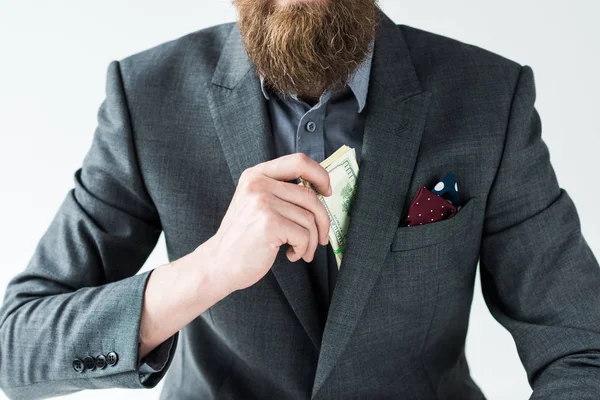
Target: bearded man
(204,137)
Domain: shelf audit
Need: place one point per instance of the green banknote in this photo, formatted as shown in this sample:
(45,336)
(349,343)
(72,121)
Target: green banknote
(343,174)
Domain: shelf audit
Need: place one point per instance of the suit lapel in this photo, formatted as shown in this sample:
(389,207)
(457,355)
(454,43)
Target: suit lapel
(396,113)
(242,123)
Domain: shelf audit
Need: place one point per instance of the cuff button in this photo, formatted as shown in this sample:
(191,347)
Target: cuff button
(78,365)
(100,362)
(112,358)
(89,363)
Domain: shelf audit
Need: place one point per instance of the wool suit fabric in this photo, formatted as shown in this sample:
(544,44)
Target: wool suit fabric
(180,123)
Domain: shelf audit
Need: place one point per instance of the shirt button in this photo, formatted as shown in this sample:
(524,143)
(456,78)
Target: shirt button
(78,365)
(311,126)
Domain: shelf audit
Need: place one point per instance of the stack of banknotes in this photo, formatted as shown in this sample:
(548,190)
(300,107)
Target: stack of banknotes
(343,174)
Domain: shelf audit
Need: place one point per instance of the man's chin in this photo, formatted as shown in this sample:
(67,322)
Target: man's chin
(290,46)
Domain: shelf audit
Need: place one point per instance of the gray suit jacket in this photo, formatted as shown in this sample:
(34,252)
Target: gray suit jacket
(182,120)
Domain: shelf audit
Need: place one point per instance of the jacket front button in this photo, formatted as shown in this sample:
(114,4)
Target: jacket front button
(112,358)
(101,362)
(78,365)
(89,363)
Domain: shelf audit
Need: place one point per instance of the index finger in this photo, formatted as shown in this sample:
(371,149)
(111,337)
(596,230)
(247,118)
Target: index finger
(297,165)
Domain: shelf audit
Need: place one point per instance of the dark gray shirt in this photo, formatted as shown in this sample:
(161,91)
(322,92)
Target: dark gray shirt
(318,131)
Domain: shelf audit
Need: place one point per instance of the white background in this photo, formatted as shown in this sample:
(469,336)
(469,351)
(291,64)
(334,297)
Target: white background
(53,60)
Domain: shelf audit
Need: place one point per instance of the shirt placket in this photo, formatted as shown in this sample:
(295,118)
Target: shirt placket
(310,131)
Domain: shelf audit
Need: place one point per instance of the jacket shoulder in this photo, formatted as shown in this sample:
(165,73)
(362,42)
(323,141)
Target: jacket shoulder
(436,49)
(438,58)
(167,64)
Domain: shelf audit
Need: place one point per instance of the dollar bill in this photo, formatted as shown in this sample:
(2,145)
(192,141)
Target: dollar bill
(343,175)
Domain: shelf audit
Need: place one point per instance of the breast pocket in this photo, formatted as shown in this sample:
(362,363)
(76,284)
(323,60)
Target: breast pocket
(414,237)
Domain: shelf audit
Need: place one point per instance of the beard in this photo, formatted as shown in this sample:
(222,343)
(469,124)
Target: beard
(307,47)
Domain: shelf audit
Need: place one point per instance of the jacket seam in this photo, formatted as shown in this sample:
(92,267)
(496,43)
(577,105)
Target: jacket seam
(505,140)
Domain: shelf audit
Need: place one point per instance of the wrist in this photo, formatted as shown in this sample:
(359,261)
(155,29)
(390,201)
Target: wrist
(209,284)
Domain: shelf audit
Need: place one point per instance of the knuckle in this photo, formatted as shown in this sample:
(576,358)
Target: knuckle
(244,176)
(300,159)
(269,221)
(261,201)
(252,184)
(310,217)
(306,238)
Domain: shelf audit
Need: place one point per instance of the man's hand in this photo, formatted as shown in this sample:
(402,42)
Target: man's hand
(266,212)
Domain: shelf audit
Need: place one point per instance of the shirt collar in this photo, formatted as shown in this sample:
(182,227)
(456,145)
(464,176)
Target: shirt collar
(358,81)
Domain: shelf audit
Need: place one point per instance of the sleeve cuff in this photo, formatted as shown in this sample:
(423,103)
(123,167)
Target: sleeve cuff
(157,359)
(147,377)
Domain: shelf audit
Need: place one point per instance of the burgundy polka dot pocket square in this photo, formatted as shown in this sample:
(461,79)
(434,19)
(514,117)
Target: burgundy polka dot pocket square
(434,205)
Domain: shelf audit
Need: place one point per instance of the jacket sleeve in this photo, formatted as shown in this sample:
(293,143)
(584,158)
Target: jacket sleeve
(79,295)
(539,277)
